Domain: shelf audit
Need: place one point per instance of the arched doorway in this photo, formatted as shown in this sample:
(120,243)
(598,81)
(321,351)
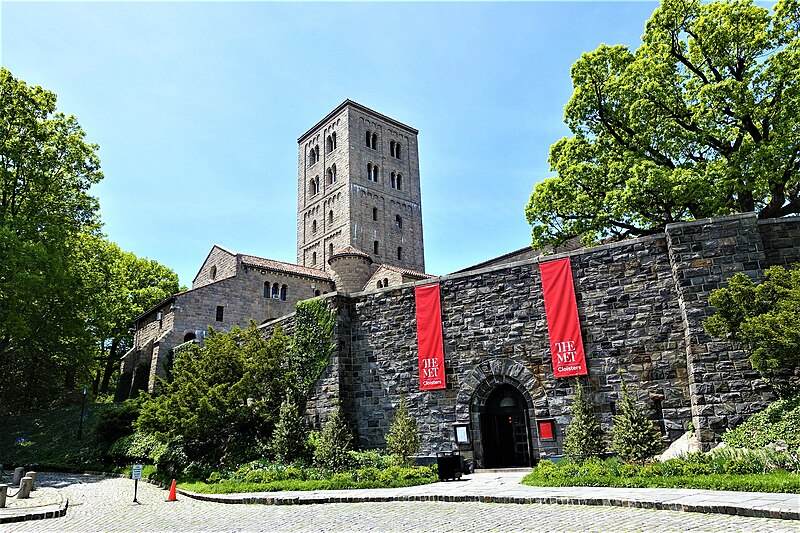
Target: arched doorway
(505,431)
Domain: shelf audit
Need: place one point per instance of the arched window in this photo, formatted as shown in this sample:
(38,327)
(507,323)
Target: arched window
(313,185)
(284,288)
(275,291)
(400,252)
(397,150)
(394,180)
(333,137)
(266,289)
(375,247)
(330,175)
(316,292)
(330,250)
(374,213)
(399,182)
(385,282)
(399,221)
(313,226)
(369,139)
(374,141)
(330,216)
(375,173)
(380,284)
(314,258)
(313,155)
(369,171)
(391,148)
(212,274)
(328,144)
(189,337)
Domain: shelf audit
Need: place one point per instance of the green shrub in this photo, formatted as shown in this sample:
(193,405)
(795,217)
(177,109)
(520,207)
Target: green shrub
(403,437)
(373,459)
(584,436)
(116,422)
(290,437)
(137,447)
(633,436)
(332,449)
(780,421)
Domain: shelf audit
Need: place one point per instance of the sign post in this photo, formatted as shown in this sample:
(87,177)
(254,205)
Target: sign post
(136,475)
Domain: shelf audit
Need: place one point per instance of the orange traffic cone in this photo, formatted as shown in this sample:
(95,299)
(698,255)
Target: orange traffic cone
(172,496)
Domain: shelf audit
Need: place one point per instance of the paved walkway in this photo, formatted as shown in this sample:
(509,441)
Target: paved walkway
(105,504)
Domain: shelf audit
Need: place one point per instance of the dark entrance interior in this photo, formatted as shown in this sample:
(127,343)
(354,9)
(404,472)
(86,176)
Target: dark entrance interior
(504,429)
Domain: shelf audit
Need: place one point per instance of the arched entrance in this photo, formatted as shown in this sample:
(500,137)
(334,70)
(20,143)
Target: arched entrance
(505,431)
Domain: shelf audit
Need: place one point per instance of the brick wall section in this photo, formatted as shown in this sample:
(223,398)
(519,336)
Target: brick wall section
(724,387)
(780,237)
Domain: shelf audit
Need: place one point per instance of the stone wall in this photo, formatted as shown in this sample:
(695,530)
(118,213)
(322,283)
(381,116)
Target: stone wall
(219,264)
(780,237)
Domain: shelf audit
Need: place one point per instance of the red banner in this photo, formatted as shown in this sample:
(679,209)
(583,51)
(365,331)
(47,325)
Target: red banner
(566,344)
(429,337)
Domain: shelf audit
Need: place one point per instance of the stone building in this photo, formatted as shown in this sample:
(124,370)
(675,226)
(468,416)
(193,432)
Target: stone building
(640,303)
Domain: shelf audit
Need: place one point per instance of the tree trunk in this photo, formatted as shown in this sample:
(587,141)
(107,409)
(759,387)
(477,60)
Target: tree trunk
(111,365)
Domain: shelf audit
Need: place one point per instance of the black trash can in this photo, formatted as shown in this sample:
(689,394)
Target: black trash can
(450,465)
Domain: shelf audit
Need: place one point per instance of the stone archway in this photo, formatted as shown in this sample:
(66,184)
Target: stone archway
(475,394)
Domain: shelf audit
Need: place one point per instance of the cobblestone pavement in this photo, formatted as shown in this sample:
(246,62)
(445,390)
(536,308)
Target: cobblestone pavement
(105,504)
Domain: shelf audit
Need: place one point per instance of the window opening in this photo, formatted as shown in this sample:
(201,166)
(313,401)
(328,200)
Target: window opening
(220,313)
(394,180)
(399,221)
(369,139)
(374,141)
(399,182)
(330,250)
(212,275)
(284,288)
(275,291)
(314,226)
(385,282)
(400,252)
(330,216)
(314,258)
(266,289)
(374,213)
(375,247)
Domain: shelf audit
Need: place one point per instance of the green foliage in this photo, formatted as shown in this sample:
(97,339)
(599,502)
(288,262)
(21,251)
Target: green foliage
(698,471)
(115,422)
(699,121)
(633,436)
(780,422)
(289,439)
(403,437)
(765,317)
(374,459)
(584,436)
(331,453)
(311,347)
(136,448)
(222,403)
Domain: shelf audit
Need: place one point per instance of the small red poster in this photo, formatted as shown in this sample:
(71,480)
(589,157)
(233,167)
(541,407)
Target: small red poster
(546,429)
(566,344)
(429,337)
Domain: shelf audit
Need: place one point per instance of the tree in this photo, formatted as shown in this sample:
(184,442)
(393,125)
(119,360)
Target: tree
(765,317)
(584,436)
(403,437)
(46,171)
(699,121)
(334,443)
(633,435)
(291,433)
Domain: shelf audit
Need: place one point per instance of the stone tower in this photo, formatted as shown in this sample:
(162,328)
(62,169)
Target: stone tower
(358,186)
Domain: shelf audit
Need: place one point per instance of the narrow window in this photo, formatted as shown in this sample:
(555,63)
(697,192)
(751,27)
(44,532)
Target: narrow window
(330,216)
(333,174)
(380,284)
(328,144)
(314,226)
(284,288)
(328,177)
(220,313)
(399,182)
(275,291)
(374,141)
(374,213)
(314,258)
(375,247)
(316,292)
(391,148)
(399,221)
(369,171)
(394,180)
(369,139)
(266,289)
(397,150)
(333,136)
(400,252)
(316,153)
(375,173)
(330,250)
(385,282)
(313,185)
(212,275)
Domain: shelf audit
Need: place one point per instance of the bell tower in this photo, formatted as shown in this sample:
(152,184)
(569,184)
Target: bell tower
(358,186)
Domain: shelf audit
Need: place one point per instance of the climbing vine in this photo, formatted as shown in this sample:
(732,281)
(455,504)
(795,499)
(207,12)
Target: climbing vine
(311,347)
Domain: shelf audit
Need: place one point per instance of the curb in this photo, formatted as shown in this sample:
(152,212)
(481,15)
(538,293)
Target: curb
(36,515)
(558,500)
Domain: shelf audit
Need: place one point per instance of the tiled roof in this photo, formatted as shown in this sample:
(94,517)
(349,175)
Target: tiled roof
(288,268)
(406,271)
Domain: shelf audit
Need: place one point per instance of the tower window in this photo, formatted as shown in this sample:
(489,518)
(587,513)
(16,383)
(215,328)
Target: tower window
(314,226)
(329,144)
(394,180)
(266,289)
(374,141)
(313,185)
(284,289)
(374,213)
(375,247)
(330,250)
(369,139)
(275,291)
(212,274)
(220,313)
(391,148)
(333,138)
(375,173)
(399,182)
(399,221)
(330,216)
(313,155)
(330,175)
(394,149)
(314,258)
(400,252)
(369,171)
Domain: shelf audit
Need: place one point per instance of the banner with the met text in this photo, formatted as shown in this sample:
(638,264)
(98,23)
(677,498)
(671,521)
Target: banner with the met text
(561,309)
(429,337)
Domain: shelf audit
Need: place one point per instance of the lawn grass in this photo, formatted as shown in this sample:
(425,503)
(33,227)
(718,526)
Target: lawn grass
(230,487)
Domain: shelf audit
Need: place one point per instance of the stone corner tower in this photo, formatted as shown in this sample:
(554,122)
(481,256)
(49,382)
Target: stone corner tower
(358,186)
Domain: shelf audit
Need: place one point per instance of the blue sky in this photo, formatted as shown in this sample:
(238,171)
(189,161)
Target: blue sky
(197,108)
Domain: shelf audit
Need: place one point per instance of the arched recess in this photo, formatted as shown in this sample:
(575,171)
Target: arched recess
(482,382)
